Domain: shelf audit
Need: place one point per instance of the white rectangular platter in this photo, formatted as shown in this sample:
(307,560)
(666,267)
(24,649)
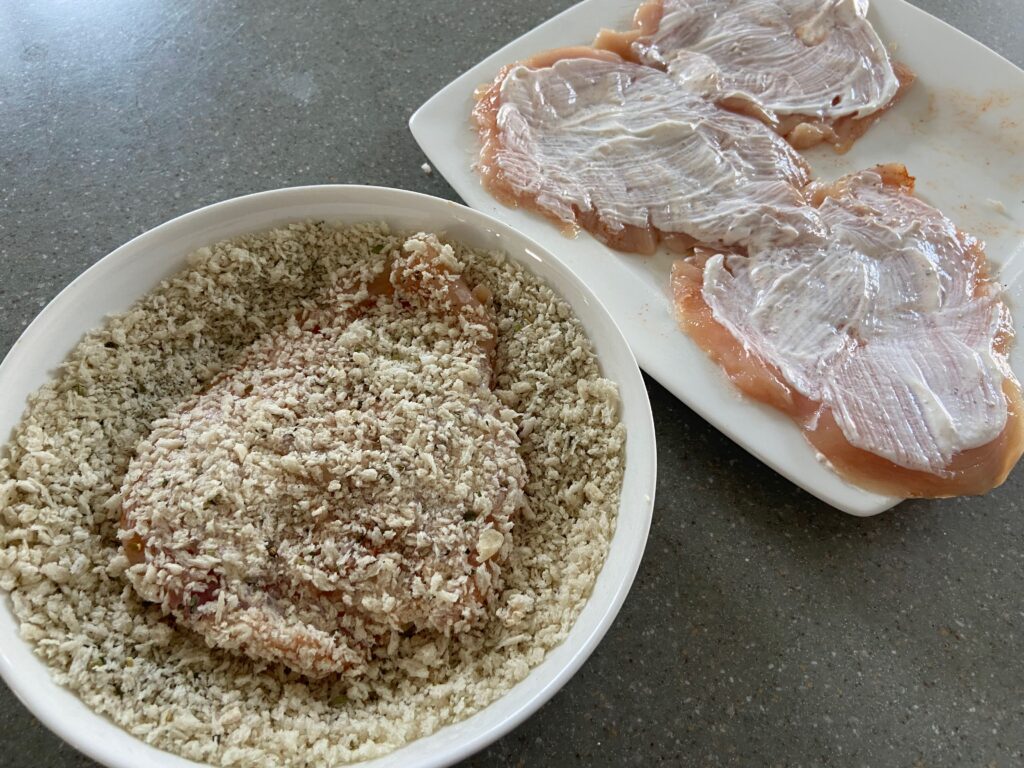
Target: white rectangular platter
(959,130)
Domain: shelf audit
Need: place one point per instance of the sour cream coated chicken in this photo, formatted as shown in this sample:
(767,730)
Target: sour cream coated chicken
(352,478)
(855,308)
(886,340)
(629,154)
(814,70)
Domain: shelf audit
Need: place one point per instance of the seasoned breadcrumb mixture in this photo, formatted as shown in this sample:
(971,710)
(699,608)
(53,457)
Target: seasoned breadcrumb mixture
(60,504)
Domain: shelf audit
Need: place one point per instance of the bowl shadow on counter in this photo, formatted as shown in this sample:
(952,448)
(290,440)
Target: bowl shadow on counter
(765,626)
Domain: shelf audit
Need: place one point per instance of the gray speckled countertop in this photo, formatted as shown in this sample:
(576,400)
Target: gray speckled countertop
(764,628)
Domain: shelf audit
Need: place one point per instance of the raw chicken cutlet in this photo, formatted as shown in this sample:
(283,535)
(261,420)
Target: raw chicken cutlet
(886,340)
(624,151)
(352,478)
(814,70)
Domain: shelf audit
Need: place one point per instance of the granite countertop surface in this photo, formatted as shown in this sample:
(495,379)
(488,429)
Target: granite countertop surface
(764,628)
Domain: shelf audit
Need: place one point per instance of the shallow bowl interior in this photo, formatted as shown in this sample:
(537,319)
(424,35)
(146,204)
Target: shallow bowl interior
(117,280)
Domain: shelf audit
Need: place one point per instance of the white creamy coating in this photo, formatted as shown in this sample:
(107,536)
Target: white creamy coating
(806,57)
(887,322)
(627,143)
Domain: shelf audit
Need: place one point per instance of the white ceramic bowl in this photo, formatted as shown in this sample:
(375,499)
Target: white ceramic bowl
(119,279)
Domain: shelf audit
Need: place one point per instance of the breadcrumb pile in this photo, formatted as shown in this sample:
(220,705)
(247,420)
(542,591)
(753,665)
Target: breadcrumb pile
(66,573)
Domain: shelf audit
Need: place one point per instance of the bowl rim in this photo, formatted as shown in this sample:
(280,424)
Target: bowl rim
(103,740)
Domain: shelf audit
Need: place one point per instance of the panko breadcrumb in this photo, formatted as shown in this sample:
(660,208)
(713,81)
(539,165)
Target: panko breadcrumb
(61,562)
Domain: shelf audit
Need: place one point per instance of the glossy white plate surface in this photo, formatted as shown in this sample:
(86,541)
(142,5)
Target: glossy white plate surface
(117,280)
(959,130)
